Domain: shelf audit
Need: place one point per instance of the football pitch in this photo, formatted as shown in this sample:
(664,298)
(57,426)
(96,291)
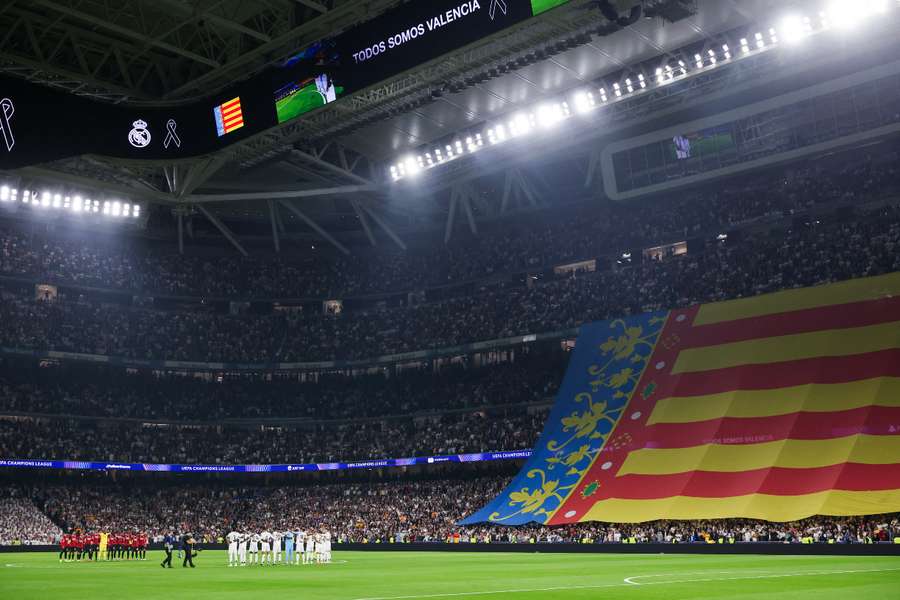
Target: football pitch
(475,576)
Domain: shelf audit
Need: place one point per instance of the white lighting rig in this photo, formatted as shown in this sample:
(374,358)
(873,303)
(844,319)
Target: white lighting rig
(792,29)
(76,204)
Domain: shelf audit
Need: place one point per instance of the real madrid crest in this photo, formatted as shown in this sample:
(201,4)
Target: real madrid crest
(139,137)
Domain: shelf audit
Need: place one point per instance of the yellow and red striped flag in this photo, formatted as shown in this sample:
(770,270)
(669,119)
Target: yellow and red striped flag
(228,116)
(776,407)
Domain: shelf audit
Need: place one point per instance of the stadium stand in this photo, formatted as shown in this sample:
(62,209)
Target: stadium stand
(797,257)
(401,511)
(419,299)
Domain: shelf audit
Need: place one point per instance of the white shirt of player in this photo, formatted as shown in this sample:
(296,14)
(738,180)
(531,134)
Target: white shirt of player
(254,542)
(276,539)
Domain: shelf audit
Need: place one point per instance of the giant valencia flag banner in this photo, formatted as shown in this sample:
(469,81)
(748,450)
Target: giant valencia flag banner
(776,407)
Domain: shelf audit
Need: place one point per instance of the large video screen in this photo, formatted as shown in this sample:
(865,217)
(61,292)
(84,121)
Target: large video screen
(539,6)
(401,39)
(300,97)
(701,143)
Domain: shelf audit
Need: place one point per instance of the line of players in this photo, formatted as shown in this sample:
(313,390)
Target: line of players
(103,546)
(266,548)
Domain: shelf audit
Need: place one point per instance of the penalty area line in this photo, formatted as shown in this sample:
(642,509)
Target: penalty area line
(626,583)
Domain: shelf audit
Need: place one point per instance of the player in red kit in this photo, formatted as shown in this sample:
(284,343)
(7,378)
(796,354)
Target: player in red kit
(63,547)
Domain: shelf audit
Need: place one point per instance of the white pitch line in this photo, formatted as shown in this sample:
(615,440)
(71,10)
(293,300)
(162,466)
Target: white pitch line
(629,584)
(630,580)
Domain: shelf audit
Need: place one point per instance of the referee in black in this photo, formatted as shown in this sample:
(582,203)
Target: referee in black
(188,544)
(168,546)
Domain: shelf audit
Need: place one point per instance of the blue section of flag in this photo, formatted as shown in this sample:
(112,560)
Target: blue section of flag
(605,367)
(220,124)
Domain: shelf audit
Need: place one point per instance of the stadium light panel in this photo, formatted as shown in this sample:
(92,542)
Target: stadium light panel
(549,115)
(584,102)
(848,15)
(4,193)
(745,46)
(57,201)
(793,28)
(520,125)
(412,167)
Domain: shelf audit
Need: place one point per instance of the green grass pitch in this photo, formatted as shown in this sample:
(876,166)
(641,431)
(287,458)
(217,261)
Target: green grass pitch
(304,100)
(476,576)
(539,6)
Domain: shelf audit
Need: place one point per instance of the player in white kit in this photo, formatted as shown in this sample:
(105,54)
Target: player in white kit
(327,554)
(266,547)
(254,548)
(233,539)
(276,547)
(309,549)
(300,545)
(242,548)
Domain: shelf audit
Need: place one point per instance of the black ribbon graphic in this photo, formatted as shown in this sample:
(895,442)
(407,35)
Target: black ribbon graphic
(7,110)
(171,137)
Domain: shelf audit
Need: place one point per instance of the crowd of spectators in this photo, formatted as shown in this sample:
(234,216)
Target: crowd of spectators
(819,252)
(462,433)
(87,390)
(378,512)
(582,231)
(21,522)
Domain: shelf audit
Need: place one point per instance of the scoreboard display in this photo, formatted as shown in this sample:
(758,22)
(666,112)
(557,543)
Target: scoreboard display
(38,124)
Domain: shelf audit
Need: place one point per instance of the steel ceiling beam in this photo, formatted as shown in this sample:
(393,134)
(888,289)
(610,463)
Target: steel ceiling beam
(326,24)
(125,31)
(314,226)
(223,229)
(283,195)
(385,227)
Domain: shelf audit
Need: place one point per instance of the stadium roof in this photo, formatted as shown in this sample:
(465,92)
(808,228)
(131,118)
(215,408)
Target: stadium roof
(175,50)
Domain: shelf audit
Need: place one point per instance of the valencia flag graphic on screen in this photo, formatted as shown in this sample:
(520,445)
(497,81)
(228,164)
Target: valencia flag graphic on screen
(776,407)
(229,116)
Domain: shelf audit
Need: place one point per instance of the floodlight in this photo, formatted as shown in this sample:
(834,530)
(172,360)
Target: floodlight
(548,115)
(793,29)
(412,167)
(584,102)
(520,125)
(76,204)
(847,15)
(4,193)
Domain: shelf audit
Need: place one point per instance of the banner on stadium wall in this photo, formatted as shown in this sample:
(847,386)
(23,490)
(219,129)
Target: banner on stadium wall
(38,124)
(337,466)
(777,407)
